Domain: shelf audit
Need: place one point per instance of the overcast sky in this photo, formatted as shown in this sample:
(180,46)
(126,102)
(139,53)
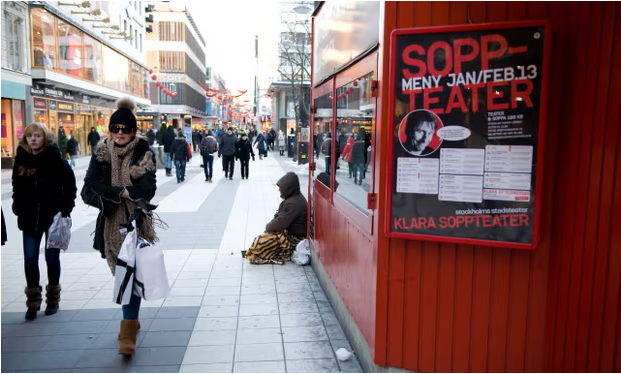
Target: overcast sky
(229,27)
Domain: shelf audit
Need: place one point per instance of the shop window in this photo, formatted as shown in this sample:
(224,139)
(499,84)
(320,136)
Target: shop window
(70,49)
(40,110)
(14,37)
(92,60)
(111,73)
(7,129)
(321,142)
(124,73)
(354,121)
(43,38)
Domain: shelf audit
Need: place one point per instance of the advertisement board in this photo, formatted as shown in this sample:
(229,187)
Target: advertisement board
(468,117)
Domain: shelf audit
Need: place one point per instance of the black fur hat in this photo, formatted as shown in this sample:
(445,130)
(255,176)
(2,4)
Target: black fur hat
(124,115)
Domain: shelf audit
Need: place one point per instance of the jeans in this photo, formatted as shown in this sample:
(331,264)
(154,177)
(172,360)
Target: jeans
(245,168)
(131,310)
(228,164)
(73,158)
(359,171)
(32,241)
(208,165)
(180,169)
(167,160)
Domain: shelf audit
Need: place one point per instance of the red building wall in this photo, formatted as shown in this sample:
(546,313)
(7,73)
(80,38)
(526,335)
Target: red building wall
(463,308)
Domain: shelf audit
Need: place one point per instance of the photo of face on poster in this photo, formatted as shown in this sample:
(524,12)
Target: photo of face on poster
(418,132)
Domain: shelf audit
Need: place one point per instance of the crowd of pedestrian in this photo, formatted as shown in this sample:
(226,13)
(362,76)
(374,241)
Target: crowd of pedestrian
(121,181)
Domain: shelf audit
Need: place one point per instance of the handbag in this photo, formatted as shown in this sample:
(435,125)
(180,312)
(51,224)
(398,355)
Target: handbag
(59,233)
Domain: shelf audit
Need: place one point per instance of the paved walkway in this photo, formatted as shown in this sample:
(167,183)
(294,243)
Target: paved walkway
(223,315)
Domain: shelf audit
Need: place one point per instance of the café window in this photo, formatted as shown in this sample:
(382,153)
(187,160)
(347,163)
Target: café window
(43,38)
(323,127)
(354,121)
(70,49)
(93,60)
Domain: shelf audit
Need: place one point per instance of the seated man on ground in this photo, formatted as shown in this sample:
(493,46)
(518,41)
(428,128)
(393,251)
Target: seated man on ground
(285,230)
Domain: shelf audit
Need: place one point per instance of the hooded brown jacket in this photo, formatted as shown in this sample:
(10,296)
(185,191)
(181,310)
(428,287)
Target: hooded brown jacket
(291,214)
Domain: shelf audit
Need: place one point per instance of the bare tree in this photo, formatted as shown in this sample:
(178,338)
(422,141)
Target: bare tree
(294,61)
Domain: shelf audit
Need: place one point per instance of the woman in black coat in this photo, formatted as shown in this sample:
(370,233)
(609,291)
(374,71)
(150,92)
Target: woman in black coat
(43,186)
(121,178)
(244,151)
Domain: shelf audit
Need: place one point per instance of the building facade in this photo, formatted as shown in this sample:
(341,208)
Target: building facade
(176,58)
(73,61)
(16,79)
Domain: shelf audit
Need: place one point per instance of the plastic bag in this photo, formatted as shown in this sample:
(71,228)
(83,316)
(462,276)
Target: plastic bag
(343,354)
(151,281)
(59,233)
(125,269)
(301,255)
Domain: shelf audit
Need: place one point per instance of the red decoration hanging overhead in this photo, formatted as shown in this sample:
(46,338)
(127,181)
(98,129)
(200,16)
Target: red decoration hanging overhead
(242,92)
(151,71)
(154,77)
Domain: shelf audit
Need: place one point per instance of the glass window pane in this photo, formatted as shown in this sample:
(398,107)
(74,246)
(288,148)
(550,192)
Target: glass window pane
(111,72)
(92,59)
(70,49)
(321,142)
(15,38)
(354,128)
(123,73)
(43,38)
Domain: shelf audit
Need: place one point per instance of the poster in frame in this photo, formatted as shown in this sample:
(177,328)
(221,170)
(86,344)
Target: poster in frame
(467,133)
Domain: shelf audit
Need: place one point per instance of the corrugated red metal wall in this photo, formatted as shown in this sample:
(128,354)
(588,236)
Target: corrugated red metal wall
(462,308)
(348,257)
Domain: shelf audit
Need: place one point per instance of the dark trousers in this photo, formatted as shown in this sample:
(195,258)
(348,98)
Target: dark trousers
(228,164)
(32,241)
(208,165)
(180,169)
(245,167)
(327,159)
(351,169)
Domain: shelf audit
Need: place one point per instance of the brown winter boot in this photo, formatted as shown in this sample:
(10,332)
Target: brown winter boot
(129,330)
(33,302)
(52,298)
(136,329)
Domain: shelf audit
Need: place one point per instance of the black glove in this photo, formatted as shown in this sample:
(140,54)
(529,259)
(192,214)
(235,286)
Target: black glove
(65,214)
(218,155)
(252,158)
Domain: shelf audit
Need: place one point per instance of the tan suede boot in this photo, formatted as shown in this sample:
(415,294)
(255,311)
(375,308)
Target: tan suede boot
(129,330)
(136,329)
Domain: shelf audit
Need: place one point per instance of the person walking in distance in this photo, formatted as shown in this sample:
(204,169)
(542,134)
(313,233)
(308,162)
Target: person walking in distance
(227,149)
(244,152)
(151,137)
(181,155)
(168,139)
(261,144)
(93,139)
(195,141)
(209,146)
(119,179)
(72,149)
(347,155)
(281,142)
(43,186)
(326,150)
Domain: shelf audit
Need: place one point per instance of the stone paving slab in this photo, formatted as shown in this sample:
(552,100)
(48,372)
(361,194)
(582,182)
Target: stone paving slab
(223,314)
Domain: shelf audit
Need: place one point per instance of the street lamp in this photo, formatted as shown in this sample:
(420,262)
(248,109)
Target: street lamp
(302,9)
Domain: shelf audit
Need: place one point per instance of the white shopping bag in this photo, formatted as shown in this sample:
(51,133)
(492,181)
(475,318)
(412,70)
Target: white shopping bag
(59,233)
(125,269)
(151,281)
(301,255)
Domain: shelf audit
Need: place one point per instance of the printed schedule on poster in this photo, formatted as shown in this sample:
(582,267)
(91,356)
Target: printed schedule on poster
(417,175)
(466,121)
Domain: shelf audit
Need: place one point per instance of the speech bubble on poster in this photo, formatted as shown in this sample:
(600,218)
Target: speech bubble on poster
(453,133)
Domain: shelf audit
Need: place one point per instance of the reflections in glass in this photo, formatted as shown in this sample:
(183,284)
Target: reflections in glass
(43,38)
(92,59)
(70,49)
(111,72)
(354,112)
(322,137)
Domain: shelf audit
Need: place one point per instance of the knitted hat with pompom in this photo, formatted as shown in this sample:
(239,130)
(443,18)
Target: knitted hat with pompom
(125,114)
